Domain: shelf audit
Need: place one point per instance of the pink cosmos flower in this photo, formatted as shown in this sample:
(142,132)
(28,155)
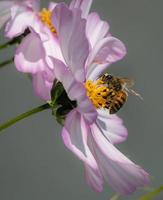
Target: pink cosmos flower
(40,43)
(89,131)
(32,56)
(17,15)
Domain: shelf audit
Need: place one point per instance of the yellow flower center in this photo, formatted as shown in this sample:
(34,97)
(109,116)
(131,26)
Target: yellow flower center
(97,92)
(45,16)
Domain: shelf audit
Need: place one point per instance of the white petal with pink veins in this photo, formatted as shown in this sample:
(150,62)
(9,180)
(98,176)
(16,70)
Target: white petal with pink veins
(84,5)
(52,5)
(41,87)
(118,171)
(96,29)
(35,4)
(94,178)
(95,70)
(5,11)
(30,55)
(74,135)
(21,19)
(71,32)
(108,50)
(111,126)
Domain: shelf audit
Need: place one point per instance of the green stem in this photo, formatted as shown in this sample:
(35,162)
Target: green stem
(6,62)
(23,116)
(5,45)
(15,40)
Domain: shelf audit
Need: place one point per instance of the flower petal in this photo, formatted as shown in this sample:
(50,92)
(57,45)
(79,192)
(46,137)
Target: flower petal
(95,70)
(75,90)
(65,76)
(96,29)
(30,55)
(94,178)
(84,5)
(35,4)
(21,19)
(108,50)
(52,5)
(52,49)
(74,135)
(71,32)
(86,108)
(42,87)
(111,127)
(5,11)
(118,171)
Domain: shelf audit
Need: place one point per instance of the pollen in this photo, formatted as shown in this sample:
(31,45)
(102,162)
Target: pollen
(97,92)
(45,16)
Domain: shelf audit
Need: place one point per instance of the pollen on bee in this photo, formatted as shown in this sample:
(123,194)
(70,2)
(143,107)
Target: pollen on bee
(97,92)
(45,16)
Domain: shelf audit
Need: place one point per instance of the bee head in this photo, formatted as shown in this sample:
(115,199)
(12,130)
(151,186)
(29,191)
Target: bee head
(107,78)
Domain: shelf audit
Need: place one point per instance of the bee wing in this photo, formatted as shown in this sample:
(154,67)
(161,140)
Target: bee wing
(135,93)
(128,83)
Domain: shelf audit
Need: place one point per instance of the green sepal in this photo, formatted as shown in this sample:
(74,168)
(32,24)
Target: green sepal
(63,110)
(56,92)
(60,103)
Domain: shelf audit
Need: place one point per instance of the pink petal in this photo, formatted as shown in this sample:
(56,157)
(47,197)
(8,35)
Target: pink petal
(49,42)
(86,108)
(96,29)
(95,70)
(22,18)
(71,31)
(94,178)
(75,90)
(52,5)
(118,171)
(74,135)
(5,11)
(35,4)
(111,127)
(66,77)
(111,50)
(52,49)
(30,55)
(108,50)
(84,5)
(42,87)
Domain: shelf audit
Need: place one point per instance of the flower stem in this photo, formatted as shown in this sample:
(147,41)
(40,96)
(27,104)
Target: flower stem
(6,62)
(5,45)
(8,43)
(15,40)
(24,115)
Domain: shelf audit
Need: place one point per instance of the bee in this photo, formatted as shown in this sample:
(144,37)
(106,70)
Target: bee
(118,91)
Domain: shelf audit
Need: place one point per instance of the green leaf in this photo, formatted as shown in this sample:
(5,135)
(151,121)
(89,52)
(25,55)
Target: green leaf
(152,194)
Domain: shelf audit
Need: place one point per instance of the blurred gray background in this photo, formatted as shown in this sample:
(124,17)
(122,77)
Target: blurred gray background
(35,165)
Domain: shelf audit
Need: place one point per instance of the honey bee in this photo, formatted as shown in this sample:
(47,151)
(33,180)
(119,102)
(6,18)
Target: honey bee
(118,91)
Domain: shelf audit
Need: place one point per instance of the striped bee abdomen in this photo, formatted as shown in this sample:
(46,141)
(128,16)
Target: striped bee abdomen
(117,102)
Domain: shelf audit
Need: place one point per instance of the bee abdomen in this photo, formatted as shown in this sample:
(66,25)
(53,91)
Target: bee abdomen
(117,103)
